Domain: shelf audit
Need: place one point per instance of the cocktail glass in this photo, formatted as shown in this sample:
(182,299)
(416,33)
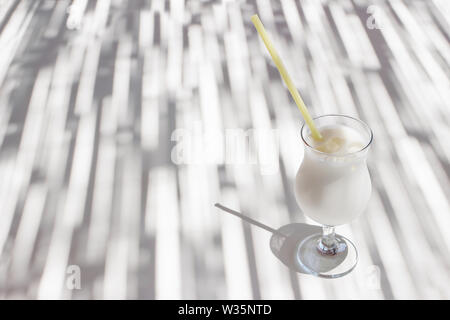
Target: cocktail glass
(332,190)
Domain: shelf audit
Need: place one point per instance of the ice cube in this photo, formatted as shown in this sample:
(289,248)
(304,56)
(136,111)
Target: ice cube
(354,147)
(331,145)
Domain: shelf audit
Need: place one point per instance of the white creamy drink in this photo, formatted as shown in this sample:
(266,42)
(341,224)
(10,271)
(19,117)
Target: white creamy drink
(333,183)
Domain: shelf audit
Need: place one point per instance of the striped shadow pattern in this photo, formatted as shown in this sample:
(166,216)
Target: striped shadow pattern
(96,97)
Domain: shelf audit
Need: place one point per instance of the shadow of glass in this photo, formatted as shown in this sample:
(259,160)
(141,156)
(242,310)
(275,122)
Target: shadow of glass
(285,247)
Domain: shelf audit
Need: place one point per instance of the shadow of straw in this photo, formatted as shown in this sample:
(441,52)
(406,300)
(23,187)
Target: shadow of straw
(285,240)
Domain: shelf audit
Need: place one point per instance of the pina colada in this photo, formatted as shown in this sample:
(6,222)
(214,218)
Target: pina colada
(333,183)
(332,187)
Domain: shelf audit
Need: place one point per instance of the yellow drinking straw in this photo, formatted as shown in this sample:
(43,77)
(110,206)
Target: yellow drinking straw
(287,79)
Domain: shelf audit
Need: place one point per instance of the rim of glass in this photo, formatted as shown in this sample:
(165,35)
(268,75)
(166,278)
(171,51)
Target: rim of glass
(343,116)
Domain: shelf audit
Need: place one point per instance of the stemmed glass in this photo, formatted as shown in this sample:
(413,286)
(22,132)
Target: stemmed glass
(332,190)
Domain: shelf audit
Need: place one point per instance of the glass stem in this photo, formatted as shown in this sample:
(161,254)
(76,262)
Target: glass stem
(328,244)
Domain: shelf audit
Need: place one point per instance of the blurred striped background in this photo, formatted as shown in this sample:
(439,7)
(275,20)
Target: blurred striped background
(91,93)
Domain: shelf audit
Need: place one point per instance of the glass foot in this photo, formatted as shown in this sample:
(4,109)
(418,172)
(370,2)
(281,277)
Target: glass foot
(335,263)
